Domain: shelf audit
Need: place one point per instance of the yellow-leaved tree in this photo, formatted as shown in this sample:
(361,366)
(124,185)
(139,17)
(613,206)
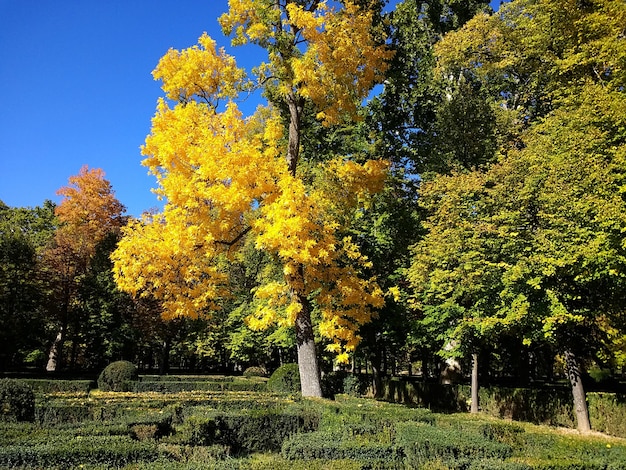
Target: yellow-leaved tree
(228,180)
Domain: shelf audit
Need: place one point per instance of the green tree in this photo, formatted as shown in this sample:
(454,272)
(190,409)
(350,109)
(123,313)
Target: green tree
(24,232)
(533,246)
(532,243)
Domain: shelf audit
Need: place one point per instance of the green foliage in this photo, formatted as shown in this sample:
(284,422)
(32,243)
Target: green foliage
(44,386)
(422,443)
(24,232)
(329,445)
(118,377)
(244,431)
(285,379)
(17,401)
(241,385)
(110,451)
(255,371)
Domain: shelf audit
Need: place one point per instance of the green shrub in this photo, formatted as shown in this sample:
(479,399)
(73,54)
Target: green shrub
(118,377)
(353,386)
(255,372)
(422,443)
(507,433)
(110,451)
(285,379)
(17,401)
(55,413)
(607,412)
(334,446)
(495,464)
(43,386)
(256,430)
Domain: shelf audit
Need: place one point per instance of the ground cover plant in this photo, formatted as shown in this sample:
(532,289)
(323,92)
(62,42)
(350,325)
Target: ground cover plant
(237,429)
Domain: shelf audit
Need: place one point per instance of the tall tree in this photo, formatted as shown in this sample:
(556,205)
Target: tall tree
(88,212)
(24,233)
(227,179)
(532,242)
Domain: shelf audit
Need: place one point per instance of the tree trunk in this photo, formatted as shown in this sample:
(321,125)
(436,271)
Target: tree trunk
(474,405)
(296,107)
(572,368)
(307,355)
(377,383)
(56,352)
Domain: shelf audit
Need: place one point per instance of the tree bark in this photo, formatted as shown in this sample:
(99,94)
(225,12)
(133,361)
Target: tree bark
(572,368)
(54,356)
(474,405)
(310,382)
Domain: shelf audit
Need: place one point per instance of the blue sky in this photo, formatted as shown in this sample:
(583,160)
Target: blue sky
(77,89)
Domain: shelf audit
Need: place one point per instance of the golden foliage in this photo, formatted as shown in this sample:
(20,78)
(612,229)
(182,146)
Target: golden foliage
(226,180)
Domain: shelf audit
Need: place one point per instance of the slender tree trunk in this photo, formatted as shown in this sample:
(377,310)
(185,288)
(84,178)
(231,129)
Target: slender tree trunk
(56,351)
(572,367)
(377,383)
(474,406)
(296,107)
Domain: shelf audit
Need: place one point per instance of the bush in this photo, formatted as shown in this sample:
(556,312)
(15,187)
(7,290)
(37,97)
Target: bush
(285,379)
(111,451)
(334,446)
(43,386)
(118,377)
(17,401)
(422,443)
(254,372)
(257,430)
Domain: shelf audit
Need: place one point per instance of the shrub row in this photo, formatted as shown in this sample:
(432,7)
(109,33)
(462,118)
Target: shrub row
(422,443)
(188,386)
(45,386)
(111,451)
(542,406)
(185,378)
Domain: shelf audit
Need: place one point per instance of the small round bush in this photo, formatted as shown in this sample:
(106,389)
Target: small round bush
(17,401)
(285,379)
(117,377)
(254,372)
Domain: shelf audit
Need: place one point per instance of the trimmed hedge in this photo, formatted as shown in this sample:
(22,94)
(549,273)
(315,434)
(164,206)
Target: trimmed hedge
(254,372)
(17,401)
(112,451)
(552,406)
(257,430)
(334,446)
(285,379)
(186,378)
(118,377)
(44,386)
(241,385)
(422,443)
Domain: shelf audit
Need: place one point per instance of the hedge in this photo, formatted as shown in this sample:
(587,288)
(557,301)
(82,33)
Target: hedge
(189,386)
(333,446)
(244,431)
(45,386)
(552,406)
(422,443)
(113,451)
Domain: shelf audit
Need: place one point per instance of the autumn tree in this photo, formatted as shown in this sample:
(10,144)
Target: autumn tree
(227,179)
(87,213)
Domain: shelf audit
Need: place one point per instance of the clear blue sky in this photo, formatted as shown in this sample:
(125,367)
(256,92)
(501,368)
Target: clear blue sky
(76,84)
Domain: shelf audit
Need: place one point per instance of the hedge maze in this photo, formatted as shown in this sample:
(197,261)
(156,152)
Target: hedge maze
(200,422)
